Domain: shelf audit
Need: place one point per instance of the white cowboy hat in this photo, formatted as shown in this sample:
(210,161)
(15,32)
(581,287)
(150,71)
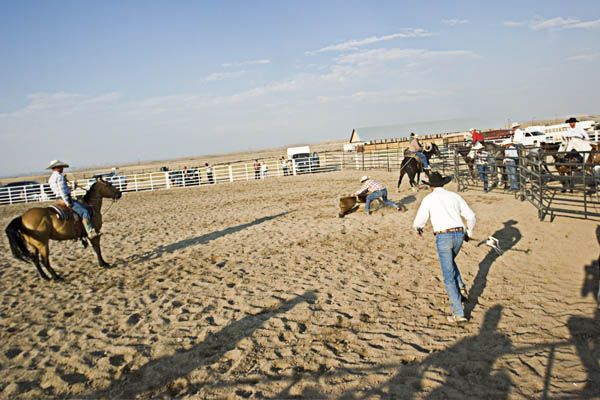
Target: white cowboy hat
(472,129)
(364,178)
(515,125)
(427,147)
(56,164)
(477,146)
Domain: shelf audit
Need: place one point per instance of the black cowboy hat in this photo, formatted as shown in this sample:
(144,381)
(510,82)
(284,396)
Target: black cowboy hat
(437,180)
(571,120)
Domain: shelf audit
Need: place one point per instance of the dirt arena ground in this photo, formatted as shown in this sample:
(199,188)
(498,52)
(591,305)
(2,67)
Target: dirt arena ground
(259,290)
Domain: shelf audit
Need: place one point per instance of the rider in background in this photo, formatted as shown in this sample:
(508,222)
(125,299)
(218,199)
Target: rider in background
(517,134)
(575,138)
(415,147)
(61,189)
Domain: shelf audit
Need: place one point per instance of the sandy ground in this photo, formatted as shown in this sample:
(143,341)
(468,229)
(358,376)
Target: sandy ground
(259,290)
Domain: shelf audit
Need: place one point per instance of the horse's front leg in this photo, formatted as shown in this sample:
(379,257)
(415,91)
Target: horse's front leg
(96,245)
(416,187)
(400,181)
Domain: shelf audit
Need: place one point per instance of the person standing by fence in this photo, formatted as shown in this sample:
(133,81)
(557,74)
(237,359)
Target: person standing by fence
(209,173)
(481,161)
(284,166)
(256,169)
(511,162)
(264,170)
(476,136)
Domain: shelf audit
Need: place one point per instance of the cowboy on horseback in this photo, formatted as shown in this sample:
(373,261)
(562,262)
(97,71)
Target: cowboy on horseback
(575,138)
(60,188)
(415,148)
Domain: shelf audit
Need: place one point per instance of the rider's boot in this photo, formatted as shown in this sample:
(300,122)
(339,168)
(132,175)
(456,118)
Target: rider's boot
(89,229)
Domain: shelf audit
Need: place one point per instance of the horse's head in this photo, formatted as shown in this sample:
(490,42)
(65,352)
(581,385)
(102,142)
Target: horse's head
(105,189)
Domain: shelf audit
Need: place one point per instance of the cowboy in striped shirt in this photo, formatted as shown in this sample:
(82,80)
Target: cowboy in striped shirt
(375,190)
(58,184)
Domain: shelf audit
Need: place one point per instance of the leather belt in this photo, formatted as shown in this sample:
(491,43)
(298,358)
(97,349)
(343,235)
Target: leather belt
(451,230)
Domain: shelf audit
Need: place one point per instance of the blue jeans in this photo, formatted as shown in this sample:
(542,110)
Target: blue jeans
(448,245)
(482,169)
(375,195)
(81,210)
(423,159)
(511,173)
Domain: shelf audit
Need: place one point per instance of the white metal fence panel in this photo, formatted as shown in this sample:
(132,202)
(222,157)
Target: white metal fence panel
(223,173)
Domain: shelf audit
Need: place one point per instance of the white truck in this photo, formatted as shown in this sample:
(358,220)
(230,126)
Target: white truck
(302,161)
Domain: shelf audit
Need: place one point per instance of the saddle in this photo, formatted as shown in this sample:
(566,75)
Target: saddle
(409,154)
(64,212)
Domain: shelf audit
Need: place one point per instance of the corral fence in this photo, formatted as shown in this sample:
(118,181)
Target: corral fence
(556,184)
(389,159)
(560,184)
(540,182)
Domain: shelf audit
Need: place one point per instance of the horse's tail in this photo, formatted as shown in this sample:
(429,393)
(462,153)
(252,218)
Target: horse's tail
(15,238)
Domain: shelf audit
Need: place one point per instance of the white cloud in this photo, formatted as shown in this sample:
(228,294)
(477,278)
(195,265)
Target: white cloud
(585,56)
(455,21)
(63,103)
(357,43)
(221,76)
(555,24)
(249,62)
(514,24)
(377,97)
(383,55)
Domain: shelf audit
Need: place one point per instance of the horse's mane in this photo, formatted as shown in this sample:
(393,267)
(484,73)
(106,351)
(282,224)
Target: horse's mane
(88,193)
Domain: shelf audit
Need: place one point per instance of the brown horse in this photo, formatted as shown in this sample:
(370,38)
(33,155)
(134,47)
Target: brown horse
(594,158)
(30,233)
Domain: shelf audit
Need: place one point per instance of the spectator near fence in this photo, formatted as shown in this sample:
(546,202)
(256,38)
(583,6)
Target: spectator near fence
(284,166)
(511,158)
(476,136)
(264,170)
(482,161)
(256,169)
(209,173)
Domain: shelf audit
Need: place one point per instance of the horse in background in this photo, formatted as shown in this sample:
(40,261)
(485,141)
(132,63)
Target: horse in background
(412,166)
(495,166)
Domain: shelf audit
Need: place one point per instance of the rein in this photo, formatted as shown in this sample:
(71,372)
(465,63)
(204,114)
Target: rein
(110,207)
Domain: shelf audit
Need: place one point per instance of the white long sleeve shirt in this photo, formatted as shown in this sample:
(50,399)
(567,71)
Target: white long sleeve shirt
(445,209)
(518,136)
(577,132)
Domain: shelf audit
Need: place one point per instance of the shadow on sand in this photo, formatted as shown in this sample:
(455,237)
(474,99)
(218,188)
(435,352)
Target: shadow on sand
(157,374)
(508,237)
(203,239)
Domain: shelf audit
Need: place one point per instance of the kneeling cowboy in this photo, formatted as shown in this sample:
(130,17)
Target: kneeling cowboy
(374,190)
(59,187)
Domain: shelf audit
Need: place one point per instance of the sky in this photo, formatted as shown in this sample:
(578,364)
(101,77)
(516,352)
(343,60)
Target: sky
(101,82)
